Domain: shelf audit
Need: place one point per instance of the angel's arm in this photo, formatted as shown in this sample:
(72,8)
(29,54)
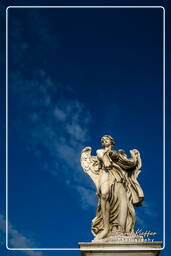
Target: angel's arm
(126,163)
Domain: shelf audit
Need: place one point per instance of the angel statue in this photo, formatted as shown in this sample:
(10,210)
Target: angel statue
(118,191)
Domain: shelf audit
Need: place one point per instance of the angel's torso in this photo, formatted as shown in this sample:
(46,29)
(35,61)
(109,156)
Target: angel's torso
(109,166)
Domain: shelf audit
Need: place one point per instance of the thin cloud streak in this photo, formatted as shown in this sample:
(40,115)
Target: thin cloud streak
(59,127)
(16,239)
(53,120)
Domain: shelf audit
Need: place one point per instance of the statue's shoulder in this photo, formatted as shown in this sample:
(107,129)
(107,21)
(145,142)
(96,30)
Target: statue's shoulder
(100,153)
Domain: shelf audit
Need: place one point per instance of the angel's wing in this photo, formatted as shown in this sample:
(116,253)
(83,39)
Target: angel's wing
(90,165)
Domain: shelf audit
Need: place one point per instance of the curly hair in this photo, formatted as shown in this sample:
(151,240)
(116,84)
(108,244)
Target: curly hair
(109,137)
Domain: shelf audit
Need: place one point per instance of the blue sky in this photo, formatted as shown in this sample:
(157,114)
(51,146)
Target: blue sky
(75,75)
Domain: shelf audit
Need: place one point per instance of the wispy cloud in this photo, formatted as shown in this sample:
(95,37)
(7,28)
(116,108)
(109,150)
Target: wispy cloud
(17,239)
(88,196)
(54,128)
(51,121)
(140,221)
(145,214)
(149,209)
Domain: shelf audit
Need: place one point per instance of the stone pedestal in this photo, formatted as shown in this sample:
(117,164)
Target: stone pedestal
(120,248)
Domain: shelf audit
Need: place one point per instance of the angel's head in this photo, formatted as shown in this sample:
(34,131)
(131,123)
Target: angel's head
(107,141)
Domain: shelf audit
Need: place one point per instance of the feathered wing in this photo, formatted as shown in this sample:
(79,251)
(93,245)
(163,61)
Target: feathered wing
(90,165)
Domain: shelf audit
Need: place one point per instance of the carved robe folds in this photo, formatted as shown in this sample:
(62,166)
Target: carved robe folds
(118,173)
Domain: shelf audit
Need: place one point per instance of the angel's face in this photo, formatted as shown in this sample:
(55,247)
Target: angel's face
(106,142)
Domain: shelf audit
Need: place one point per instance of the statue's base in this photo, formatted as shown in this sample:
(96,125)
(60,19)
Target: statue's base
(120,248)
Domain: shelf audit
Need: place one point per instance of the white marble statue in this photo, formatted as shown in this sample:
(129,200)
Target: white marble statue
(118,191)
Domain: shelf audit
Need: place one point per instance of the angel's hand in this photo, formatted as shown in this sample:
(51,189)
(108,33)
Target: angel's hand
(121,151)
